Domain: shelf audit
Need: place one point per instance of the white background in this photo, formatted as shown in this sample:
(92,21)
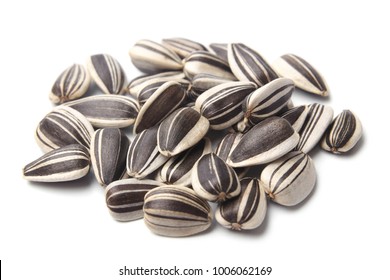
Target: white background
(64,231)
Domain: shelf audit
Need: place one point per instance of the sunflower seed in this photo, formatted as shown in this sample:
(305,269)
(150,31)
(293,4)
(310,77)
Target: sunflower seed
(220,50)
(71,84)
(180,131)
(248,65)
(61,127)
(108,154)
(245,212)
(62,164)
(305,76)
(163,101)
(177,170)
(125,198)
(343,134)
(202,82)
(214,180)
(107,110)
(148,90)
(263,143)
(296,116)
(317,121)
(222,104)
(290,179)
(107,73)
(151,57)
(176,211)
(207,63)
(183,47)
(143,156)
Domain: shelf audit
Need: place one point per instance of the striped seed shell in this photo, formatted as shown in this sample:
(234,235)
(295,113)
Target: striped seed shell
(317,121)
(143,156)
(62,164)
(107,73)
(125,198)
(204,62)
(108,154)
(183,47)
(222,104)
(246,211)
(180,131)
(163,101)
(220,50)
(71,84)
(176,211)
(177,170)
(290,179)
(107,110)
(61,127)
(151,57)
(214,180)
(248,65)
(304,75)
(343,134)
(202,82)
(296,116)
(263,143)
(146,92)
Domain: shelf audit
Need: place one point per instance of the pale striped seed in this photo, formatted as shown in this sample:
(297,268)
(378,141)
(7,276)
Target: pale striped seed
(183,47)
(202,82)
(143,156)
(290,179)
(151,57)
(220,50)
(125,198)
(264,143)
(107,110)
(62,164)
(180,131)
(343,134)
(61,127)
(222,104)
(204,62)
(214,180)
(71,84)
(245,212)
(107,73)
(177,170)
(296,116)
(109,147)
(248,65)
(317,121)
(304,75)
(167,98)
(147,91)
(176,211)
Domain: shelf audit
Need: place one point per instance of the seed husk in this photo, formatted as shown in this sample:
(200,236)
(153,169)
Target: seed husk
(125,198)
(343,134)
(202,82)
(63,164)
(246,211)
(71,84)
(145,93)
(183,47)
(290,179)
(220,50)
(304,75)
(107,73)
(296,116)
(176,211)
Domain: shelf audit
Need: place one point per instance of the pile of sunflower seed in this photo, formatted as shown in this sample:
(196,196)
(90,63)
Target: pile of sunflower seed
(172,166)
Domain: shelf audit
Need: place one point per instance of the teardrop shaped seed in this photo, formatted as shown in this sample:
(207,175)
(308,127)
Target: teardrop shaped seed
(246,211)
(248,65)
(107,73)
(60,165)
(220,50)
(71,84)
(108,154)
(263,143)
(143,156)
(125,198)
(183,47)
(343,134)
(202,82)
(151,57)
(61,127)
(177,170)
(148,90)
(304,75)
(317,121)
(176,211)
(290,179)
(214,180)
(180,131)
(296,116)
(107,110)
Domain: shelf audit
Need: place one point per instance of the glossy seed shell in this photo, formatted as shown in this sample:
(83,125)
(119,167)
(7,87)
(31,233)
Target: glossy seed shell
(202,82)
(146,92)
(219,50)
(183,47)
(296,116)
